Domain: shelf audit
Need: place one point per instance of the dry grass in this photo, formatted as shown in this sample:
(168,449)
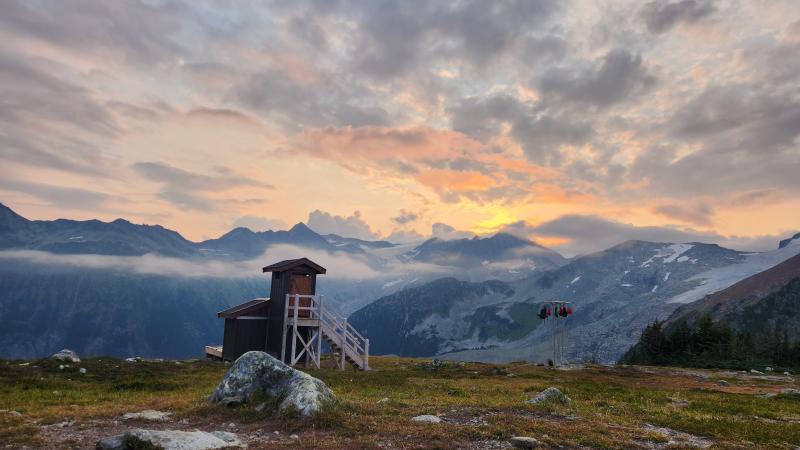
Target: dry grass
(612,406)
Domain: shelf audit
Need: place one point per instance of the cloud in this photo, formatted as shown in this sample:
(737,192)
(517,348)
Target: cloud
(403,237)
(139,32)
(619,75)
(61,196)
(405,217)
(661,16)
(696,214)
(582,234)
(393,39)
(444,231)
(189,189)
(341,265)
(348,226)
(256,223)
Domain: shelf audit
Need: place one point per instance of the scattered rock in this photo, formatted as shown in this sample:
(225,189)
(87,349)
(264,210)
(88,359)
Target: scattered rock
(499,371)
(65,424)
(257,372)
(679,402)
(294,436)
(66,355)
(756,372)
(15,413)
(787,374)
(523,442)
(723,383)
(434,365)
(679,439)
(260,407)
(383,400)
(791,392)
(82,370)
(767,369)
(134,359)
(148,414)
(170,440)
(61,367)
(548,395)
(426,418)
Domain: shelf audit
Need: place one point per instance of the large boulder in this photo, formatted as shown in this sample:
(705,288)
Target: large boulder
(257,373)
(170,440)
(550,395)
(66,355)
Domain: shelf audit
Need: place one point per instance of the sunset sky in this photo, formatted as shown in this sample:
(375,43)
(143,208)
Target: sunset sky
(577,124)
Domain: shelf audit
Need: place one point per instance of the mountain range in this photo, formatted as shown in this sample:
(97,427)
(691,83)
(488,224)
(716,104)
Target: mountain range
(125,289)
(615,293)
(77,283)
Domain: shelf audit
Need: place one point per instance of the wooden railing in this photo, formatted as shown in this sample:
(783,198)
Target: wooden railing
(336,330)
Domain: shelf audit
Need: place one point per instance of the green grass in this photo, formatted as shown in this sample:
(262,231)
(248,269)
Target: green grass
(479,402)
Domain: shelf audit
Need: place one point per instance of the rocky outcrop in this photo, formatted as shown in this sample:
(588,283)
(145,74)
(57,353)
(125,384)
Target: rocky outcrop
(550,395)
(257,373)
(170,440)
(66,355)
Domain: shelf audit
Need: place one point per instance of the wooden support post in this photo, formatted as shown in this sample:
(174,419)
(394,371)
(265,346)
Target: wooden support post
(294,329)
(319,333)
(343,345)
(285,324)
(366,354)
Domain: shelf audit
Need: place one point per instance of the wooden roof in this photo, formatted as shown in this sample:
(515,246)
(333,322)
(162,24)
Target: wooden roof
(243,309)
(288,264)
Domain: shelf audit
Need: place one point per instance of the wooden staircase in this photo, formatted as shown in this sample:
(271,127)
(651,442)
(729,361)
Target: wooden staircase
(347,345)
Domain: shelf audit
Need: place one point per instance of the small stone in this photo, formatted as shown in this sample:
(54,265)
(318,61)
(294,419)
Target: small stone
(426,418)
(231,425)
(767,369)
(548,395)
(294,436)
(15,413)
(260,407)
(756,372)
(723,383)
(523,442)
(276,433)
(786,373)
(383,400)
(148,414)
(82,370)
(61,367)
(791,392)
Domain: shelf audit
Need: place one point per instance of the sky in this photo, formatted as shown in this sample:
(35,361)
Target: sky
(579,124)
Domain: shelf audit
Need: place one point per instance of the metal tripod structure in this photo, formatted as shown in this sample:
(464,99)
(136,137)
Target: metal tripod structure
(560,333)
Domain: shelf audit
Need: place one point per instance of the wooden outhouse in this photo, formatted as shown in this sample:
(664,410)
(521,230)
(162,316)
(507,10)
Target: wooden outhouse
(292,323)
(259,323)
(293,276)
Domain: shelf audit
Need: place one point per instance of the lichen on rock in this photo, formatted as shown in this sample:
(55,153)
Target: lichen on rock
(259,374)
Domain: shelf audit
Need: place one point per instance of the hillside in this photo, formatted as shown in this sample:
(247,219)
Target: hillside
(480,406)
(740,301)
(615,293)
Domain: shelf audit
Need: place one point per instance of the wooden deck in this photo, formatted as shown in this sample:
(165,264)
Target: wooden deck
(213,351)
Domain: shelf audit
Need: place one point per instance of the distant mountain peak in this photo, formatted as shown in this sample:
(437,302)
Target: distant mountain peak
(300,227)
(786,242)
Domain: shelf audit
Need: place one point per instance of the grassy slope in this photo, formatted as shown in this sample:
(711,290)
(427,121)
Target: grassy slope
(610,405)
